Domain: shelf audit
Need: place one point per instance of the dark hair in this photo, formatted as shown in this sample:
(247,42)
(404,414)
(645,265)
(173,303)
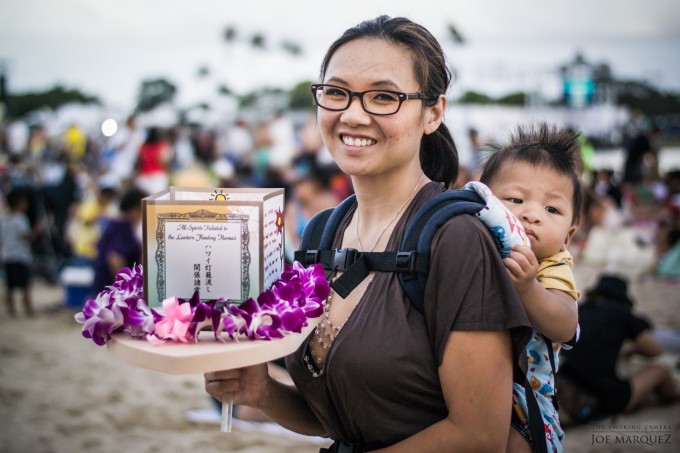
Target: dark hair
(438,154)
(109,192)
(132,199)
(153,135)
(15,197)
(540,145)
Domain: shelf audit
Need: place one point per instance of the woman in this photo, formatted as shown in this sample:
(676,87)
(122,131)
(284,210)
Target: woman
(376,373)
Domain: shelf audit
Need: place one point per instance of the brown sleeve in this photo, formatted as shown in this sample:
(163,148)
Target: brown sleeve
(468,287)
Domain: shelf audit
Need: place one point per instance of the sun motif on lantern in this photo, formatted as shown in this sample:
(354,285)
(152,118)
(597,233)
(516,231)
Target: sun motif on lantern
(279,221)
(219,196)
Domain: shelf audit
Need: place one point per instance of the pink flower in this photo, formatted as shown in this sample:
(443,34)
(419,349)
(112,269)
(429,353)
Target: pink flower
(175,324)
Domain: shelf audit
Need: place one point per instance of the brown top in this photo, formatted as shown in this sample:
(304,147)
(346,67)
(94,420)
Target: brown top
(381,382)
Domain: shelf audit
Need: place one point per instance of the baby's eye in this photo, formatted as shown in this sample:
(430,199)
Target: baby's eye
(552,210)
(515,200)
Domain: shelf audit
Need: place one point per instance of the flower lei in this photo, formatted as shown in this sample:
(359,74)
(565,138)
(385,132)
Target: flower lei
(297,295)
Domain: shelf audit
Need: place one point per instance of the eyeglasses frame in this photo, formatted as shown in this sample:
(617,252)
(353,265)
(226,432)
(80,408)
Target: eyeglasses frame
(360,94)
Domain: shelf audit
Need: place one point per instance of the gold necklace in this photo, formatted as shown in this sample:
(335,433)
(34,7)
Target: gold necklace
(324,333)
(391,220)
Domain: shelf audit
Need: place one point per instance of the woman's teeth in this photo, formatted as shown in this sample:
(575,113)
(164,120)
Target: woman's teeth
(357,141)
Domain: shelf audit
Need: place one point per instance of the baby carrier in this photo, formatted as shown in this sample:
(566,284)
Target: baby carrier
(411,262)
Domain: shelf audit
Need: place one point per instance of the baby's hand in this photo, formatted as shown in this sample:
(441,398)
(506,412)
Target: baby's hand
(522,265)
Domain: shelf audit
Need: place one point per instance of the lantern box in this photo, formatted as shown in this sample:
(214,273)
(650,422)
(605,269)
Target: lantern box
(225,243)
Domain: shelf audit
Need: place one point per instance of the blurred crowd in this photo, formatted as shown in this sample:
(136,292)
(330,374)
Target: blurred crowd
(75,184)
(74,181)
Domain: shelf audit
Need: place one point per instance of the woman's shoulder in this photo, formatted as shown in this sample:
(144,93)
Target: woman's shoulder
(463,229)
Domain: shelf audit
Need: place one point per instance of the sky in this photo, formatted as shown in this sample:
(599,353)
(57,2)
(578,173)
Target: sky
(106,47)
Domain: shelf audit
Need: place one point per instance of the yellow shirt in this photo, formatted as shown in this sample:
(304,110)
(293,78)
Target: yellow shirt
(75,141)
(556,272)
(85,241)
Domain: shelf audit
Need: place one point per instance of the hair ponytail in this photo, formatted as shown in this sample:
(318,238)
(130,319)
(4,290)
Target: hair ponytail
(439,156)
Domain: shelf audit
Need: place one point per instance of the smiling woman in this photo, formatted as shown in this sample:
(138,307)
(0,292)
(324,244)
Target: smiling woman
(375,373)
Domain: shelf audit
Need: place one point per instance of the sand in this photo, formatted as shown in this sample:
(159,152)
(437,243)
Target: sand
(61,393)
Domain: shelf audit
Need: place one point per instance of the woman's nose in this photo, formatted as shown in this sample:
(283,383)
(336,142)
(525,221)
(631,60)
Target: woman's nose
(355,113)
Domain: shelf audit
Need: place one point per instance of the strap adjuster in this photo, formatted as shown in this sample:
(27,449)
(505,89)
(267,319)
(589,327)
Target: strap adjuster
(343,259)
(406,261)
(311,257)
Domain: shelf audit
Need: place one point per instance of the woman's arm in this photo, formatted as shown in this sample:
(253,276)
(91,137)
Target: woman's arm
(476,379)
(254,387)
(645,344)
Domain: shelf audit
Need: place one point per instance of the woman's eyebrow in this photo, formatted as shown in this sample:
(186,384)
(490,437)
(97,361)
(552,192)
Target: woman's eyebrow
(377,83)
(385,82)
(337,80)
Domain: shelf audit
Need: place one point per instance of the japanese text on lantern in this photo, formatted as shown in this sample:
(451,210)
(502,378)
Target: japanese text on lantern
(200,245)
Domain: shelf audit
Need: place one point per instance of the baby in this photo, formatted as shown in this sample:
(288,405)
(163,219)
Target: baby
(535,177)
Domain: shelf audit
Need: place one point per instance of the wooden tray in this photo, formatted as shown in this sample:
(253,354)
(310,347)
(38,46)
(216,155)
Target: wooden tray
(205,355)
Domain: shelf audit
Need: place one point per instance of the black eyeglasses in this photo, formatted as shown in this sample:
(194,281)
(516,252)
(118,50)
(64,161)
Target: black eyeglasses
(375,102)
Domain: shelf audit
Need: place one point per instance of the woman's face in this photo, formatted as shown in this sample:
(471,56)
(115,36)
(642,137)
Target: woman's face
(364,144)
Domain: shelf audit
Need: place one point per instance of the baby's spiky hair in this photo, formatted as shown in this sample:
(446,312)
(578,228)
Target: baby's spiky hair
(540,145)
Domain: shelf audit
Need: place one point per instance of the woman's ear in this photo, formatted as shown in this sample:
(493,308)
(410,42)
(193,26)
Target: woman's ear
(435,115)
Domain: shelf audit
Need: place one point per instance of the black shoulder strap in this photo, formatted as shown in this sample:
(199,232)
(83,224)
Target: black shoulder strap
(411,261)
(553,366)
(536,424)
(311,236)
(422,228)
(320,231)
(334,221)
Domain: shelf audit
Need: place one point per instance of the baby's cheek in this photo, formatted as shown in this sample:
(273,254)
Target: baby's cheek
(511,206)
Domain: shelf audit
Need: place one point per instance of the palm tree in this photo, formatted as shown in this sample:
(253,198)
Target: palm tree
(258,41)
(455,35)
(230,34)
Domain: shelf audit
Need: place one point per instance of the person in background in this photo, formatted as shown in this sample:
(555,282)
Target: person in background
(154,158)
(607,322)
(126,143)
(283,145)
(119,245)
(310,194)
(477,156)
(75,143)
(16,235)
(91,219)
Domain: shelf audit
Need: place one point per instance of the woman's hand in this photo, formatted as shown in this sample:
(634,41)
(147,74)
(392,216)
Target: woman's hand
(253,386)
(248,385)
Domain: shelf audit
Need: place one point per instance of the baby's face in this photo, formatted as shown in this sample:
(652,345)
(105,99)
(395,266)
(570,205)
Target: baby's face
(542,200)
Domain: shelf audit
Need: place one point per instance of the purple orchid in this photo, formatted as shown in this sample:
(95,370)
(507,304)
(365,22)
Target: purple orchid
(119,306)
(100,318)
(207,314)
(285,307)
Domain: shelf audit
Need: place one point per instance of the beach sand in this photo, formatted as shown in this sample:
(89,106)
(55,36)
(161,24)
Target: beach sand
(61,393)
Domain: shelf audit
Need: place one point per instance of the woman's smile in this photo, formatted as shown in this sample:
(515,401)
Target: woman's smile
(360,142)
